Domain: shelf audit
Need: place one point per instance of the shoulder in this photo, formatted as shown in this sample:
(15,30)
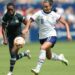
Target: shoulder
(58,10)
(20,17)
(54,13)
(18,14)
(39,12)
(36,14)
(5,17)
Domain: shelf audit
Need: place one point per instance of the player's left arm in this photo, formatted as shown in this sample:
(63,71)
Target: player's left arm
(63,21)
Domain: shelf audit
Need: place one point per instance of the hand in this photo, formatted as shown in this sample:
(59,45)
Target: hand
(69,37)
(5,42)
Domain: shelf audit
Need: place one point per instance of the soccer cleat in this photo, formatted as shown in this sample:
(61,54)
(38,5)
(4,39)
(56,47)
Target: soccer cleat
(28,54)
(63,59)
(35,71)
(10,73)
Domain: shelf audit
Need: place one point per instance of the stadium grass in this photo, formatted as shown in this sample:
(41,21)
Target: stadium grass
(24,66)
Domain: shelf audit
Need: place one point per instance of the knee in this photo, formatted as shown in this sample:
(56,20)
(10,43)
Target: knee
(42,48)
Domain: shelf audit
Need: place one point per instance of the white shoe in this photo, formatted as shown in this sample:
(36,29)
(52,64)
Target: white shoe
(10,73)
(28,54)
(35,71)
(63,59)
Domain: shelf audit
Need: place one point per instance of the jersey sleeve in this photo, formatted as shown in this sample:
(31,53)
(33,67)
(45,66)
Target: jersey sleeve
(35,16)
(57,16)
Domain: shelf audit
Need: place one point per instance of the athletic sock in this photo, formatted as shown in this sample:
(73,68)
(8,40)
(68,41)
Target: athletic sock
(55,57)
(41,60)
(12,61)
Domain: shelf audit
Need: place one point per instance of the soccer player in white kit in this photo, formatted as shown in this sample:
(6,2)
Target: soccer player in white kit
(46,20)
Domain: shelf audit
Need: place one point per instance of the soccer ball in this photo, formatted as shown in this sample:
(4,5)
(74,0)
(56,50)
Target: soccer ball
(19,42)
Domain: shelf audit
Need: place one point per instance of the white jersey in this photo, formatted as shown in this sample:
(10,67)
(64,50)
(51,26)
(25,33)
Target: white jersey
(46,23)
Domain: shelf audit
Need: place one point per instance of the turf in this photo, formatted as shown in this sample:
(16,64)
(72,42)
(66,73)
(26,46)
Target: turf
(24,66)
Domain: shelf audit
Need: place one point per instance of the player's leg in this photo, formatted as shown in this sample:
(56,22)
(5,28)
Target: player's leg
(48,54)
(42,56)
(26,53)
(55,56)
(51,40)
(15,49)
(12,54)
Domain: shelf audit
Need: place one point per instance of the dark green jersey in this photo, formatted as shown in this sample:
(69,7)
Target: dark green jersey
(13,24)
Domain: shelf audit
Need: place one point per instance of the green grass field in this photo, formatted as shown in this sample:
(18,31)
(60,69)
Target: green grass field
(24,66)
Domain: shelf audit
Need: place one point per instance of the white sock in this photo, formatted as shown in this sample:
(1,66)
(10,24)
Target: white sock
(55,57)
(41,60)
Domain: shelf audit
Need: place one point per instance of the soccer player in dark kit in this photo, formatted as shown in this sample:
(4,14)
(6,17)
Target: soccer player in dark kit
(11,28)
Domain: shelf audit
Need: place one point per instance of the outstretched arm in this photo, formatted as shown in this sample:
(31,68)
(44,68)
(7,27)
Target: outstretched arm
(63,21)
(27,27)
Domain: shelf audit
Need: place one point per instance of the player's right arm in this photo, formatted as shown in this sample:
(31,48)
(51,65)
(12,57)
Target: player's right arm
(4,30)
(26,29)
(28,25)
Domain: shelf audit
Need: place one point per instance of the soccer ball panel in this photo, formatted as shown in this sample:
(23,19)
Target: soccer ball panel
(19,42)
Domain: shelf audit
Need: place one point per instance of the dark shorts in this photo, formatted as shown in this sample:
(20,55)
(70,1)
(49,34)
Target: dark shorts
(51,39)
(11,40)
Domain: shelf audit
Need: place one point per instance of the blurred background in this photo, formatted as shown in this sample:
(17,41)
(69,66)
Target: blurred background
(66,8)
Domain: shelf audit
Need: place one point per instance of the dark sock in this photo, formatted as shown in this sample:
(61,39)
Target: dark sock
(12,61)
